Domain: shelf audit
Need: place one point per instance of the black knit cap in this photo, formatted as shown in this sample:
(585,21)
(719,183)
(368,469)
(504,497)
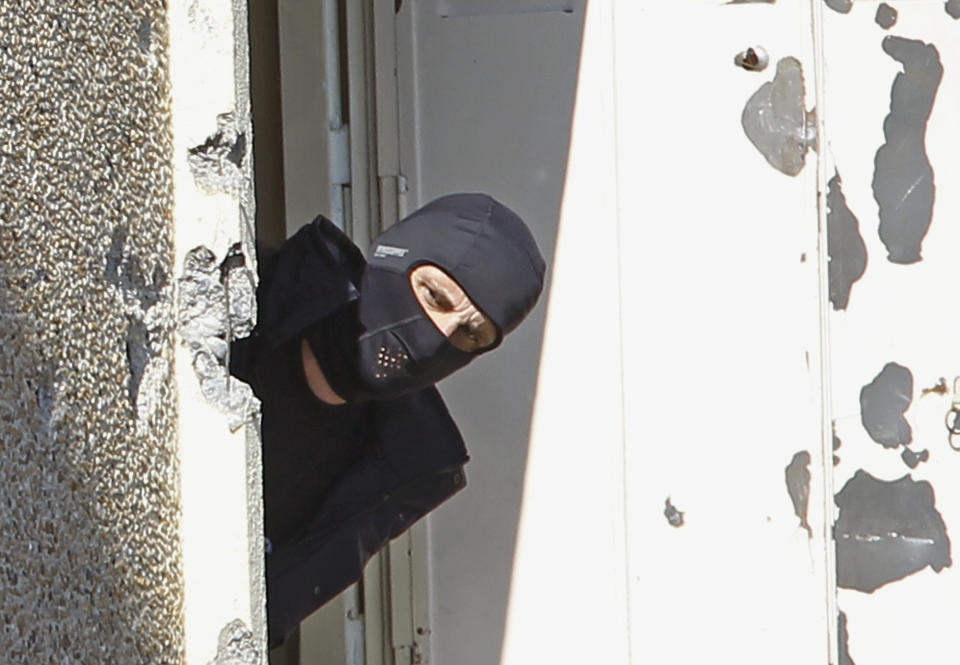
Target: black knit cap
(479,242)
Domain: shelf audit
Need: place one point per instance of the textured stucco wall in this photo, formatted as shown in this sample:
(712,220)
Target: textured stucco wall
(130,524)
(90,566)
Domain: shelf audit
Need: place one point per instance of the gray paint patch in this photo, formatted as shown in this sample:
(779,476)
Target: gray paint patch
(887,530)
(674,516)
(836,444)
(207,290)
(913,459)
(776,121)
(236,646)
(798,487)
(747,2)
(217,163)
(903,178)
(842,6)
(883,402)
(886,16)
(848,253)
(953,8)
(843,640)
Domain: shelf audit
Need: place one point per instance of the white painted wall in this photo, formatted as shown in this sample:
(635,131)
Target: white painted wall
(220,482)
(685,347)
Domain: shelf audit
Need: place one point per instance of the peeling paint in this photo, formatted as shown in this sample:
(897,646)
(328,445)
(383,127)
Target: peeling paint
(886,16)
(913,459)
(217,163)
(952,7)
(842,6)
(843,640)
(236,646)
(847,251)
(836,443)
(939,389)
(207,290)
(776,121)
(674,516)
(883,402)
(798,487)
(903,178)
(887,530)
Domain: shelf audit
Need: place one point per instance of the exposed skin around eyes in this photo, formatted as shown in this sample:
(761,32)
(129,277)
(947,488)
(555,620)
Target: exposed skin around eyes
(451,310)
(446,305)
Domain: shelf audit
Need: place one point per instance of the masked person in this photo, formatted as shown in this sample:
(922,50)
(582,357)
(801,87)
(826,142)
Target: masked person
(357,443)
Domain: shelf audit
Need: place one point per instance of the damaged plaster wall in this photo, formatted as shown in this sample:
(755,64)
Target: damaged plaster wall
(215,278)
(95,453)
(90,553)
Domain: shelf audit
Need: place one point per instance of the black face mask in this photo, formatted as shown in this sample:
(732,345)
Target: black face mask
(401,349)
(386,345)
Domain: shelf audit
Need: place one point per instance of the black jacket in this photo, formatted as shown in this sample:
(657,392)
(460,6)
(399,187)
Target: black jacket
(339,482)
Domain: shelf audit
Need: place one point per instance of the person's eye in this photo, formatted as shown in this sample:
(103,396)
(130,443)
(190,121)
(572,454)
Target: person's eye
(440,300)
(431,296)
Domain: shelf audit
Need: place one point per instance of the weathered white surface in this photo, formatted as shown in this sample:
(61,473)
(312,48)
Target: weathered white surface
(897,313)
(222,539)
(720,318)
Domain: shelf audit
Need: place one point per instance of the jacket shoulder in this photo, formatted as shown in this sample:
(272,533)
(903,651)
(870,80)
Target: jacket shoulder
(314,273)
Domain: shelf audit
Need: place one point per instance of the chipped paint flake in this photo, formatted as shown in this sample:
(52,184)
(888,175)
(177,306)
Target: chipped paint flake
(207,290)
(886,16)
(776,120)
(798,487)
(842,6)
(887,530)
(848,253)
(674,516)
(913,459)
(836,443)
(843,640)
(903,178)
(952,7)
(883,402)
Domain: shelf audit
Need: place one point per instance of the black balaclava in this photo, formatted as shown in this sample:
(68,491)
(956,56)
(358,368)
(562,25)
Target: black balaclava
(386,345)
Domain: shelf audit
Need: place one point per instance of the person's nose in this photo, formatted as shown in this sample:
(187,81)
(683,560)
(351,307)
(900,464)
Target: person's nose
(455,320)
